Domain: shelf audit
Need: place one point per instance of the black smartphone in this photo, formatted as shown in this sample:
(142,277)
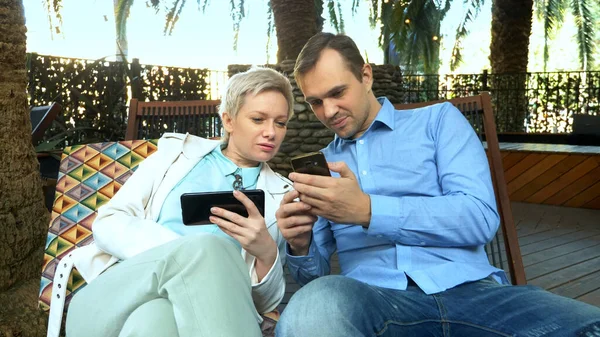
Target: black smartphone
(311,163)
(195,207)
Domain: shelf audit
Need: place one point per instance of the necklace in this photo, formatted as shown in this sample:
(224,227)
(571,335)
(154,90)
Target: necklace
(238,182)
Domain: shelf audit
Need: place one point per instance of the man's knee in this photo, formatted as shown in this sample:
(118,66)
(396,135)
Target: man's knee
(323,303)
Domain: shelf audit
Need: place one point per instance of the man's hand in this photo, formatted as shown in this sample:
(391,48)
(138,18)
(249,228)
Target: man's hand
(339,200)
(295,223)
(250,232)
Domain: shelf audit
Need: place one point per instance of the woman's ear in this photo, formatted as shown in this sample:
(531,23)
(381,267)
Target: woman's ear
(227,122)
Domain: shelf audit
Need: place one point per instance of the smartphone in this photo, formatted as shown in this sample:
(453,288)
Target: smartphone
(311,163)
(195,207)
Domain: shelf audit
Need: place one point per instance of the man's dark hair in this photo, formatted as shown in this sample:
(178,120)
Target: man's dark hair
(311,52)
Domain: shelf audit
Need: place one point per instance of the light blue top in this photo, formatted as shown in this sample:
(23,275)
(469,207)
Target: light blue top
(214,172)
(432,204)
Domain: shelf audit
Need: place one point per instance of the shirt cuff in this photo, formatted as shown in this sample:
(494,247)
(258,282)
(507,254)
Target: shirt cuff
(265,279)
(306,262)
(386,215)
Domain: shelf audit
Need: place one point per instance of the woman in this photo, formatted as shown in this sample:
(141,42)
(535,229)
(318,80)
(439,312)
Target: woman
(207,280)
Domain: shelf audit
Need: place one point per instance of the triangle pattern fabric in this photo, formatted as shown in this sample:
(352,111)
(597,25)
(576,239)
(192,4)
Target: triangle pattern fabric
(79,192)
(116,151)
(82,172)
(145,149)
(110,189)
(84,154)
(68,164)
(114,170)
(97,181)
(99,161)
(65,184)
(89,175)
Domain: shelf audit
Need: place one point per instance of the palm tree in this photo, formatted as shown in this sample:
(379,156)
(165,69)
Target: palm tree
(552,13)
(410,31)
(23,216)
(511,29)
(509,51)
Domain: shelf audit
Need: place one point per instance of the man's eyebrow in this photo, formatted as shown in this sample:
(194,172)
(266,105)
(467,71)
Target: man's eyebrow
(329,93)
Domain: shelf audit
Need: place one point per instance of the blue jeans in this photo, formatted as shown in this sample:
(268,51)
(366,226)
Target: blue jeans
(341,306)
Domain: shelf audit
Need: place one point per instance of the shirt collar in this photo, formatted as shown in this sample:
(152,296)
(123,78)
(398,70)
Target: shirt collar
(385,117)
(230,167)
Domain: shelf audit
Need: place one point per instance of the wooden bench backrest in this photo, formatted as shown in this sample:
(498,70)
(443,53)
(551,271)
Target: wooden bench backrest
(149,120)
(478,110)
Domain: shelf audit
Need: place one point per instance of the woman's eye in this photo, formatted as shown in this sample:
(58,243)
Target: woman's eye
(282,124)
(257,120)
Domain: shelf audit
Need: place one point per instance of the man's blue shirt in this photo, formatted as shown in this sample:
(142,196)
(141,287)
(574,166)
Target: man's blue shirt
(432,204)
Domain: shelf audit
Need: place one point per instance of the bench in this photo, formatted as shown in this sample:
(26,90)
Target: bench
(149,120)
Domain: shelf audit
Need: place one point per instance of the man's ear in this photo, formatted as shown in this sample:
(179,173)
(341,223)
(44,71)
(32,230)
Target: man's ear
(367,76)
(227,122)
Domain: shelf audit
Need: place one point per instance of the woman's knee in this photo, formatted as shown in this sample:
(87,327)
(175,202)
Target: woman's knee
(153,318)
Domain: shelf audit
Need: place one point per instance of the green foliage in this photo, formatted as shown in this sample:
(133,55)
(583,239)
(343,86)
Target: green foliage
(585,13)
(94,96)
(473,7)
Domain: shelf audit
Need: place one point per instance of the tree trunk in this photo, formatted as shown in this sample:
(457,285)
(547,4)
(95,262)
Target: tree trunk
(23,216)
(509,51)
(295,23)
(511,29)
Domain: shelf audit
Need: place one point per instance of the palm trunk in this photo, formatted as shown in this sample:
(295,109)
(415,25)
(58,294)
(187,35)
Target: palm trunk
(295,23)
(509,51)
(23,217)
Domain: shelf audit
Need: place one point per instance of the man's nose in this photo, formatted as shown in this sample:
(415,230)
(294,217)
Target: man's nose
(330,108)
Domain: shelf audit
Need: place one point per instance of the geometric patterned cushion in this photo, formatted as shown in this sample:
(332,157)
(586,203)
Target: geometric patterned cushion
(88,177)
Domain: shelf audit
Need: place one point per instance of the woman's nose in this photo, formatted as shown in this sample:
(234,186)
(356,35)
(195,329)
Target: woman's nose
(269,130)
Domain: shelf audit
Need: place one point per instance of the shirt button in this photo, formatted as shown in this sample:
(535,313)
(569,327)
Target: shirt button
(364,173)
(422,243)
(361,141)
(310,260)
(380,236)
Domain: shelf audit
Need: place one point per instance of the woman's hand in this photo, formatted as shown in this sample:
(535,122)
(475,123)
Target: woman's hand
(250,232)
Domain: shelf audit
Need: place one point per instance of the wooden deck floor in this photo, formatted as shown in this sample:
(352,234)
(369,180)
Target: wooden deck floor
(560,248)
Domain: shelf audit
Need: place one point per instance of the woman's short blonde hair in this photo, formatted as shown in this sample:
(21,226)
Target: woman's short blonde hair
(254,81)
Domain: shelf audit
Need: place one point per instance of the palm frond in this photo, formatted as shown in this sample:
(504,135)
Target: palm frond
(173,16)
(122,12)
(202,4)
(237,14)
(473,8)
(335,15)
(339,8)
(270,28)
(374,10)
(552,15)
(355,4)
(53,8)
(586,24)
(444,7)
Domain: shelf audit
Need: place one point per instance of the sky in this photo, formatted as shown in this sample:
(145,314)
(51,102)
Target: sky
(205,40)
(198,40)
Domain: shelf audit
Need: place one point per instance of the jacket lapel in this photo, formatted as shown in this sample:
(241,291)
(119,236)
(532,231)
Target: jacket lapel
(193,150)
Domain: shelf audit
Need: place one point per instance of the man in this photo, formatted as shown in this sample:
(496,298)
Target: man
(409,215)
